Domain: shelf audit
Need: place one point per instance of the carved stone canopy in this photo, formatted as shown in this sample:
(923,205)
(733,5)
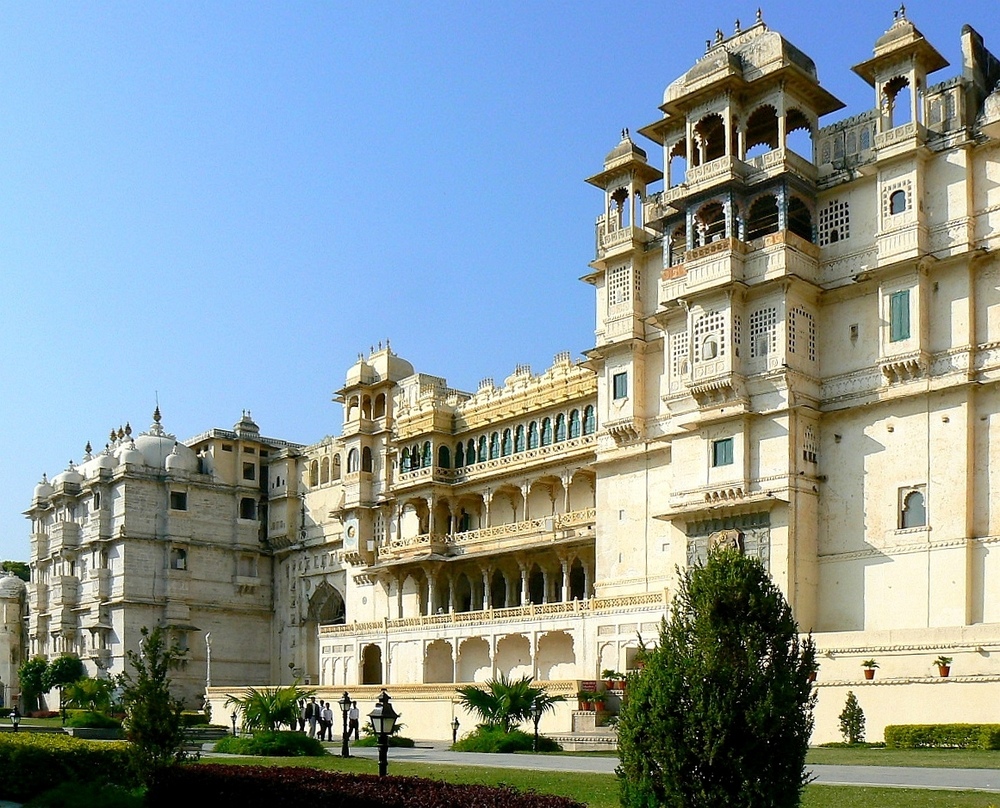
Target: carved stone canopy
(726,539)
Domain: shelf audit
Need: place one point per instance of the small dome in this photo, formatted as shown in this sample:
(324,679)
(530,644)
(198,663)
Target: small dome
(105,460)
(11,586)
(626,147)
(130,454)
(43,490)
(181,458)
(70,476)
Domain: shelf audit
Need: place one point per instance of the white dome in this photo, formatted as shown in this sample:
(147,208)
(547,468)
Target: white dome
(43,490)
(11,586)
(71,476)
(130,454)
(181,458)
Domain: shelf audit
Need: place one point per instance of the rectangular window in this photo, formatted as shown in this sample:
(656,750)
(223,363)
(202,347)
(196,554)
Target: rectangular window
(722,452)
(249,471)
(619,383)
(178,501)
(227,447)
(899,316)
(249,451)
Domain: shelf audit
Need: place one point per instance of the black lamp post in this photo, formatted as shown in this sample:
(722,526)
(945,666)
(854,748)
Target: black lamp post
(536,714)
(383,719)
(233,719)
(15,718)
(345,708)
(454,730)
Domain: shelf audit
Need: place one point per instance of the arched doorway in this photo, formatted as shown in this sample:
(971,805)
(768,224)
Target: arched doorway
(326,607)
(371,665)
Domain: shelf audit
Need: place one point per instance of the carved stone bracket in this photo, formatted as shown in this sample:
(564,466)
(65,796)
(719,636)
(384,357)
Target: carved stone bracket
(905,368)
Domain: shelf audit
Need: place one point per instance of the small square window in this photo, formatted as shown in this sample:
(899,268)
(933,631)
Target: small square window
(178,558)
(722,452)
(249,471)
(249,451)
(619,384)
(178,501)
(227,447)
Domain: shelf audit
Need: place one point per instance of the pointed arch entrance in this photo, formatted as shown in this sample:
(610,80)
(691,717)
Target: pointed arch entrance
(326,606)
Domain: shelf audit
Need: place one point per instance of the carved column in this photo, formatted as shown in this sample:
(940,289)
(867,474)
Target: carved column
(545,586)
(429,574)
(487,499)
(567,480)
(399,595)
(587,580)
(525,492)
(487,595)
(565,579)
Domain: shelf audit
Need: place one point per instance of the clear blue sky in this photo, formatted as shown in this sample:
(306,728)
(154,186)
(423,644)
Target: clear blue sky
(223,203)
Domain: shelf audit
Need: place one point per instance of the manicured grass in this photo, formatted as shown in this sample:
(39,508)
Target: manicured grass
(941,758)
(601,790)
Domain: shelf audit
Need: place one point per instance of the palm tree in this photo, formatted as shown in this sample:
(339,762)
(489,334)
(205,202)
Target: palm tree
(89,694)
(266,708)
(504,702)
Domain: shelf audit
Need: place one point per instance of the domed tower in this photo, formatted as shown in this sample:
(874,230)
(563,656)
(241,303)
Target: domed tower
(13,611)
(367,398)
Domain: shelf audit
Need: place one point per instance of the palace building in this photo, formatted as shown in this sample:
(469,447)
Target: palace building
(797,351)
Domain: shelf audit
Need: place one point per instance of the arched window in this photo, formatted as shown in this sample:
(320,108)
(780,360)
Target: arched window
(366,408)
(574,423)
(546,431)
(314,473)
(762,218)
(444,457)
(460,455)
(589,421)
(800,219)
(426,457)
(519,438)
(379,411)
(366,459)
(324,470)
(494,446)
(914,511)
(762,131)
(533,435)
(678,245)
(709,348)
(507,445)
(336,467)
(560,427)
(710,136)
(481,454)
(711,223)
(404,461)
(353,459)
(470,452)
(676,171)
(897,202)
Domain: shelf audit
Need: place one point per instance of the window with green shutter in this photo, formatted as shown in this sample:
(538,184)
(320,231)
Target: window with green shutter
(899,316)
(722,452)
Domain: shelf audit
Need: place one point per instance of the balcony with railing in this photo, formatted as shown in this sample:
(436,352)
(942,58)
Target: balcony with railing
(528,534)
(39,545)
(900,140)
(357,489)
(99,585)
(64,591)
(614,238)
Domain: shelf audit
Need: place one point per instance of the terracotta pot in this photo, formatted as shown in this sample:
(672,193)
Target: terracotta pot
(869,673)
(610,684)
(944,670)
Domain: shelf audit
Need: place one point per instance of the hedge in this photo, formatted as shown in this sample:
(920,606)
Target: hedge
(276,744)
(292,787)
(31,763)
(943,736)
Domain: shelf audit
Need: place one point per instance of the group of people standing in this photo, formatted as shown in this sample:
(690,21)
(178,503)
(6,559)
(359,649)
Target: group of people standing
(319,714)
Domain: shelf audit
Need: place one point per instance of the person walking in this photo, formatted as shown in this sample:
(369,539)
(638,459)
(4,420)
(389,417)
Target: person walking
(326,716)
(302,716)
(352,720)
(312,716)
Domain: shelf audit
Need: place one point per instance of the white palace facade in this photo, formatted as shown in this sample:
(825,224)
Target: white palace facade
(797,348)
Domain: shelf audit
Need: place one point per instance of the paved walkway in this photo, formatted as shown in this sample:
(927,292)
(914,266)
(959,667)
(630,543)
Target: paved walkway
(879,776)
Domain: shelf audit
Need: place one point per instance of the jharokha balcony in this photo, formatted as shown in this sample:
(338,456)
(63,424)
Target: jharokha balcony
(531,534)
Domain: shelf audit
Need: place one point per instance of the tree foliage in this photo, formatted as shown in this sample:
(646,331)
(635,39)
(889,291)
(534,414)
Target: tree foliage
(63,670)
(19,568)
(266,708)
(722,712)
(152,714)
(89,694)
(504,702)
(852,720)
(30,676)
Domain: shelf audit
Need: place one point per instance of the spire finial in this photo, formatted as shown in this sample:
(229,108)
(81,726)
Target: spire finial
(156,414)
(128,429)
(737,25)
(719,36)
(760,15)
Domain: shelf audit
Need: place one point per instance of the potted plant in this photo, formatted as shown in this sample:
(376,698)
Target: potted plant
(597,700)
(612,679)
(943,665)
(586,698)
(869,665)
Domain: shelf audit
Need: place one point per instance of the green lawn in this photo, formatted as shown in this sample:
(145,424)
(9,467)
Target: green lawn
(945,758)
(601,790)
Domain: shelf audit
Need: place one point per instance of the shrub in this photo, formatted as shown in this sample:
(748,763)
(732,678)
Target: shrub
(267,708)
(944,736)
(194,718)
(293,787)
(506,702)
(493,739)
(44,714)
(722,712)
(30,763)
(394,740)
(91,795)
(152,714)
(852,720)
(30,675)
(91,720)
(272,744)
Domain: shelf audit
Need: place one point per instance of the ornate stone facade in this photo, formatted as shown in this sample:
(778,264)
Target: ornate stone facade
(796,353)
